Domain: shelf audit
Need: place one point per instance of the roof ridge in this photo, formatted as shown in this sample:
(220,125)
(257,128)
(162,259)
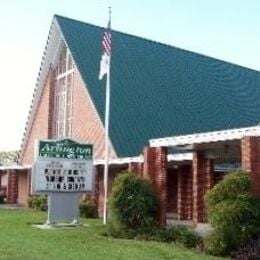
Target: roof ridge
(159,43)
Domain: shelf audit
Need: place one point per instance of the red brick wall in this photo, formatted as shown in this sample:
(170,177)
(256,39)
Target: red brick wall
(23,187)
(86,125)
(250,152)
(42,122)
(149,159)
(12,187)
(136,168)
(155,168)
(113,172)
(185,193)
(202,181)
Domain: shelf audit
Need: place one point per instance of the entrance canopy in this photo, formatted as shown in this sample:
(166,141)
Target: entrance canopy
(224,146)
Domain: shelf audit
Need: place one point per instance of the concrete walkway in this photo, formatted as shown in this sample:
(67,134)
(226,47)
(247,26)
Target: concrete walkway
(12,206)
(203,229)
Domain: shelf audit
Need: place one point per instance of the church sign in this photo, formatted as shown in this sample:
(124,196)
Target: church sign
(66,149)
(63,170)
(63,166)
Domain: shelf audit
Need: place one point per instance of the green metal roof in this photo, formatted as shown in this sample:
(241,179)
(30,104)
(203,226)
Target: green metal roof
(159,90)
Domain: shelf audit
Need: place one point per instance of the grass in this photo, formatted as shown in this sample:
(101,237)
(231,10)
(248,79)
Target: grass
(19,240)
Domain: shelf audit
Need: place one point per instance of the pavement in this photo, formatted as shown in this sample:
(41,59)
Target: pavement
(12,206)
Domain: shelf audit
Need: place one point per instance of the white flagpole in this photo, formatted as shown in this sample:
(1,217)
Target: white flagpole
(106,142)
(107,110)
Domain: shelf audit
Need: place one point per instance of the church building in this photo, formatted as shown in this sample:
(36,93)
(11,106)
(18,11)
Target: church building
(177,117)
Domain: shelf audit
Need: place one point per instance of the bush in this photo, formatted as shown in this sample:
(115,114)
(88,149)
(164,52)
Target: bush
(2,195)
(87,209)
(2,199)
(233,213)
(234,186)
(38,203)
(118,230)
(187,237)
(133,202)
(217,243)
(250,251)
(180,235)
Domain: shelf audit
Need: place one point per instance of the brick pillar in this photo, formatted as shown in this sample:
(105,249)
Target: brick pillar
(135,167)
(0,179)
(155,168)
(203,170)
(148,166)
(29,178)
(209,181)
(12,187)
(250,153)
(185,196)
(209,178)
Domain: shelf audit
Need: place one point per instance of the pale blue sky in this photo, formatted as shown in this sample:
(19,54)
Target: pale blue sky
(224,29)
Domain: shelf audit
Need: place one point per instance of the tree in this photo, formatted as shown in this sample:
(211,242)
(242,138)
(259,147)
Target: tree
(9,157)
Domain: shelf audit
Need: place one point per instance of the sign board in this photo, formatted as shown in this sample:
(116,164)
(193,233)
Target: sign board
(66,149)
(63,166)
(62,175)
(63,169)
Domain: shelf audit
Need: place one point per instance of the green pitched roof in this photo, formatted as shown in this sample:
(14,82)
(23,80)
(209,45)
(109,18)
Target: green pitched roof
(159,90)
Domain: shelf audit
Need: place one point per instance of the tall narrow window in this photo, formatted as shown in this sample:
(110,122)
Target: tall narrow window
(63,95)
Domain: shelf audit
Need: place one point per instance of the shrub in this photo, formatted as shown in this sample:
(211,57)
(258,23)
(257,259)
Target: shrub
(177,234)
(133,202)
(217,243)
(2,195)
(233,213)
(118,230)
(87,209)
(166,234)
(187,237)
(38,203)
(250,251)
(2,199)
(232,187)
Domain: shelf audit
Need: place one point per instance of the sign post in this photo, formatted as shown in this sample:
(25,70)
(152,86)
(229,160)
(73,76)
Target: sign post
(63,170)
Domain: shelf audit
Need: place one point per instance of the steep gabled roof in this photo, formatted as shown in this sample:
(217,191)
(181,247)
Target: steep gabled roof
(159,90)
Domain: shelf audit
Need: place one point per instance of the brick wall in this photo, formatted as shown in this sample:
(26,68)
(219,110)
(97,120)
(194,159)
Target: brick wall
(155,168)
(202,181)
(136,168)
(250,152)
(42,122)
(185,193)
(12,187)
(23,187)
(86,125)
(113,172)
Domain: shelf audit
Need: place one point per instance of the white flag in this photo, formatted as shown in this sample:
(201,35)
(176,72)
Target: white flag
(104,65)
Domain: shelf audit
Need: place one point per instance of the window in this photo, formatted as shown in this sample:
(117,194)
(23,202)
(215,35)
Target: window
(63,95)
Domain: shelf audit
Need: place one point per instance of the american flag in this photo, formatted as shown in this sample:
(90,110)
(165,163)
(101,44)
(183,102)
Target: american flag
(105,59)
(106,43)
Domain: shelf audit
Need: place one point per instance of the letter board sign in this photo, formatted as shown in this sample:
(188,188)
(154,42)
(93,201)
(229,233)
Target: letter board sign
(63,166)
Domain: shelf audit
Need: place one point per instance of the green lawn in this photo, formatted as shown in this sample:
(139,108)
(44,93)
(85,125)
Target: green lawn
(19,240)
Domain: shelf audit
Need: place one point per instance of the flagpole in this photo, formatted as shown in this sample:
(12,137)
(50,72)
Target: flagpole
(107,112)
(106,143)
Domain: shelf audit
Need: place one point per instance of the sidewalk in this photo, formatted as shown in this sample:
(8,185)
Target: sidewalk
(12,206)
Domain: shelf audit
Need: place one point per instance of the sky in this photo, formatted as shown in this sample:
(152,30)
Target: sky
(225,29)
